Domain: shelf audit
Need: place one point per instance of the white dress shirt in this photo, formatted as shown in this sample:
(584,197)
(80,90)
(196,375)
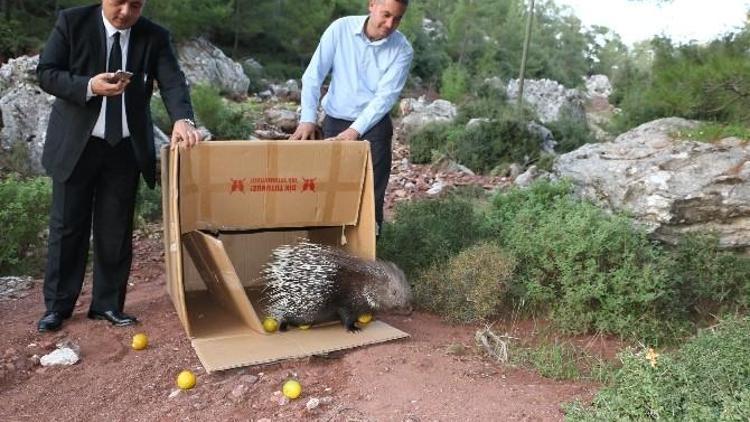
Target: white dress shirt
(124,42)
(366,76)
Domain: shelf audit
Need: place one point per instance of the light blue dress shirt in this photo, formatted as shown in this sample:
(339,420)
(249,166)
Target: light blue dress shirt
(366,76)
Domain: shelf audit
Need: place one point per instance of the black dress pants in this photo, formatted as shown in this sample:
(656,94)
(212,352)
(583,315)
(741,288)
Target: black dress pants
(380,137)
(102,189)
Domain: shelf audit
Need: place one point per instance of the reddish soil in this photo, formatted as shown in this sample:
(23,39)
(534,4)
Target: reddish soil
(421,378)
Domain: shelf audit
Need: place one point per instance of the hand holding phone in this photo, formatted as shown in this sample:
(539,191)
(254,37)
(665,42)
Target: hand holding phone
(122,75)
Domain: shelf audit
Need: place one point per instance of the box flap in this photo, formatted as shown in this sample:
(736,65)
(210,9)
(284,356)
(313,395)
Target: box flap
(240,185)
(227,352)
(218,273)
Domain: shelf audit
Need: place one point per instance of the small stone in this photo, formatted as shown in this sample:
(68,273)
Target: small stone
(312,403)
(63,356)
(174,393)
(239,391)
(249,379)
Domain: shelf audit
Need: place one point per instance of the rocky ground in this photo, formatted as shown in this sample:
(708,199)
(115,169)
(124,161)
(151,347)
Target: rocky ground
(438,374)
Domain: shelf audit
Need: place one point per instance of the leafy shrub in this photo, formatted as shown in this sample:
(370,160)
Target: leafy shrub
(594,271)
(707,279)
(148,205)
(570,132)
(224,119)
(454,83)
(484,146)
(431,139)
(23,217)
(160,116)
(708,379)
(429,231)
(712,131)
(469,287)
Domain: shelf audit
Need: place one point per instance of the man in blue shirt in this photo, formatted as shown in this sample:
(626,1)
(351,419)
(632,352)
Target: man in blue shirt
(369,63)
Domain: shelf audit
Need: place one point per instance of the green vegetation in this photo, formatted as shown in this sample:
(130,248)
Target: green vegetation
(224,118)
(426,232)
(23,217)
(587,270)
(708,379)
(712,132)
(468,287)
(704,82)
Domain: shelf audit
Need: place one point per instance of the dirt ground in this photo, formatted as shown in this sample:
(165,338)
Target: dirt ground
(421,378)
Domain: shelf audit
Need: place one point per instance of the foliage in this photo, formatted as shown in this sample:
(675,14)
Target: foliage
(159,115)
(705,82)
(708,280)
(454,83)
(712,132)
(428,231)
(225,120)
(148,205)
(706,379)
(24,217)
(593,271)
(486,145)
(432,139)
(469,287)
(570,132)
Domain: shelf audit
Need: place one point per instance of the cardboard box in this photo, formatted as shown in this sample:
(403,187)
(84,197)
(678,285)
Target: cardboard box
(227,205)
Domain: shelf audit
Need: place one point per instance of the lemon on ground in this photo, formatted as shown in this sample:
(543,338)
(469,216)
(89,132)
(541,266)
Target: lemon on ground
(364,318)
(140,341)
(270,325)
(292,389)
(304,327)
(186,380)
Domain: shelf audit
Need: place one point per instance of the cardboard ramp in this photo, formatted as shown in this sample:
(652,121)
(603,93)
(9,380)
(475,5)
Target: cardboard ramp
(227,205)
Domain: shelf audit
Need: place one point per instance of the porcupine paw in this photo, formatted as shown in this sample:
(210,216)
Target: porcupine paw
(352,328)
(283,326)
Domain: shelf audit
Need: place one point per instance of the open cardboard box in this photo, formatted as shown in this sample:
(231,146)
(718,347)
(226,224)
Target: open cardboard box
(227,205)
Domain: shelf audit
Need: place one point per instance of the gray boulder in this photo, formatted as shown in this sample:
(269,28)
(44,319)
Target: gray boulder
(21,70)
(670,185)
(25,112)
(418,113)
(203,63)
(549,99)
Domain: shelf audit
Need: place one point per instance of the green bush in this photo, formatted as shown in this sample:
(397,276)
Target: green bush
(708,280)
(433,138)
(148,205)
(469,287)
(570,132)
(160,116)
(592,270)
(425,232)
(484,146)
(23,217)
(708,379)
(454,83)
(225,120)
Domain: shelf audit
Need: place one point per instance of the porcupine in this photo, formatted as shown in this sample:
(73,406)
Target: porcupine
(308,283)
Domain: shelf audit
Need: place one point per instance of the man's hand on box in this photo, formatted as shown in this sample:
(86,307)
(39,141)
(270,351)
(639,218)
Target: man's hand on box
(347,135)
(185,134)
(305,131)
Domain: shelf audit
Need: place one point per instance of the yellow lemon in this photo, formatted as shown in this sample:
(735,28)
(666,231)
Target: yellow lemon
(270,325)
(292,389)
(186,380)
(364,318)
(304,327)
(140,341)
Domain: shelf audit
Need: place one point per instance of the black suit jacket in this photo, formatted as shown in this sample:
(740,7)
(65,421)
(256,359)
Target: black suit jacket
(75,52)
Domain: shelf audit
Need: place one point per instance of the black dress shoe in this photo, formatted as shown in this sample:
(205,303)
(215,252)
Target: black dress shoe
(117,318)
(51,321)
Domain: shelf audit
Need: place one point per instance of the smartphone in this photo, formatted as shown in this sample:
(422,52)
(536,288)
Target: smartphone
(123,75)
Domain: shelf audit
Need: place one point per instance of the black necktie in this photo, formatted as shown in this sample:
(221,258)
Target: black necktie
(113,118)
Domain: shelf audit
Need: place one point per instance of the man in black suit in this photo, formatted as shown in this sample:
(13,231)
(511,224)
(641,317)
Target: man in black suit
(99,140)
